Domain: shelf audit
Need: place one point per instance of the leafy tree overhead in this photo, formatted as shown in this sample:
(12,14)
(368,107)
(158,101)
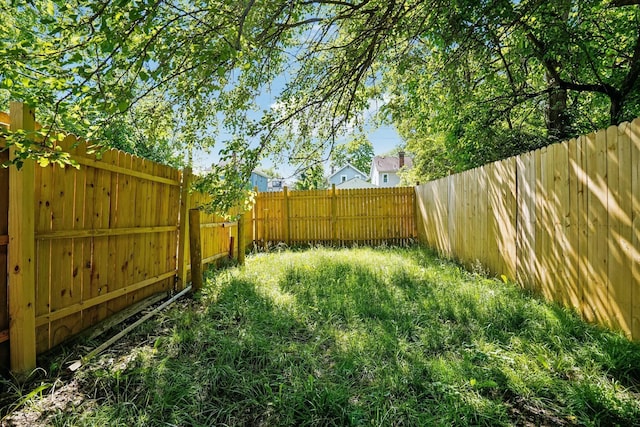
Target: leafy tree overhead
(496,80)
(464,81)
(358,151)
(147,130)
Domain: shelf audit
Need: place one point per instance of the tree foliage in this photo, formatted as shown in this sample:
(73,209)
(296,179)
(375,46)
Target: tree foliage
(500,78)
(464,81)
(358,151)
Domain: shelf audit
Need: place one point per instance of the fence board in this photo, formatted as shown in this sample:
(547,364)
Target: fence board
(572,253)
(619,206)
(561,218)
(634,136)
(596,295)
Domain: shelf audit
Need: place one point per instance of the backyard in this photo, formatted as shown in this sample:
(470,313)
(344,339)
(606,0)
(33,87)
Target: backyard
(361,336)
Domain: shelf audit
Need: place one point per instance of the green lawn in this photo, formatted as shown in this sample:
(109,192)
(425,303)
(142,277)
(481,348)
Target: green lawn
(360,337)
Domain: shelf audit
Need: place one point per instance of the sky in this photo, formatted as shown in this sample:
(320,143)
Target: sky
(384,138)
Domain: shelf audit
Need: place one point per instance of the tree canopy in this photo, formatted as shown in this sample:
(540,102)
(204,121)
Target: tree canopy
(464,81)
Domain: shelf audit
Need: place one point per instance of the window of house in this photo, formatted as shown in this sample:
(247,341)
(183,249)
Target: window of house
(356,177)
(343,178)
(385,178)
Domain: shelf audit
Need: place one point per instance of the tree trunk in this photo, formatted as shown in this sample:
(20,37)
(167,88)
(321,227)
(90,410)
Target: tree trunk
(615,111)
(558,123)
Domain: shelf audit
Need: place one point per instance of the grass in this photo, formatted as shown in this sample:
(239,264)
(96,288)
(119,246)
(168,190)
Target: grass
(360,337)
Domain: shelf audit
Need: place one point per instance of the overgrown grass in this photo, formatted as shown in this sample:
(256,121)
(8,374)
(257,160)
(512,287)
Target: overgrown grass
(362,337)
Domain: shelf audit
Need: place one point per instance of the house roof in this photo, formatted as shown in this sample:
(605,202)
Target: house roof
(390,163)
(355,183)
(257,172)
(344,167)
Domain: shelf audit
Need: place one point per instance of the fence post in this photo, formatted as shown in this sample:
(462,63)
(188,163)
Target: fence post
(285,216)
(241,239)
(195,249)
(183,231)
(21,251)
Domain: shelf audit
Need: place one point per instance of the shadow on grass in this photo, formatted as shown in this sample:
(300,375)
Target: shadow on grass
(363,337)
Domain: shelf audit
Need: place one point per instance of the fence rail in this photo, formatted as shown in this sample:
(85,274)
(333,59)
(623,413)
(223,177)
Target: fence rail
(563,221)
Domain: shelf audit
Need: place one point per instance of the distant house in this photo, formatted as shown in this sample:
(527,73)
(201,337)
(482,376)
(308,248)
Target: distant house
(354,183)
(346,173)
(384,169)
(259,180)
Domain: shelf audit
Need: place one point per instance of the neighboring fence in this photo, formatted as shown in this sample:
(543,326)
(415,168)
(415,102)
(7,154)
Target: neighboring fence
(219,236)
(337,217)
(563,221)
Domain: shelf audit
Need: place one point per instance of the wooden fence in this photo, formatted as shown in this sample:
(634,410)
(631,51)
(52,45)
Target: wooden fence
(337,217)
(82,244)
(563,221)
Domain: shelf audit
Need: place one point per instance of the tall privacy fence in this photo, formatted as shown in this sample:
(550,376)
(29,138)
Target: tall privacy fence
(80,245)
(563,221)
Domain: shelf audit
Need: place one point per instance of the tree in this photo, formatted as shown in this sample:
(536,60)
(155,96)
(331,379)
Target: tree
(490,80)
(358,151)
(147,130)
(311,178)
(483,79)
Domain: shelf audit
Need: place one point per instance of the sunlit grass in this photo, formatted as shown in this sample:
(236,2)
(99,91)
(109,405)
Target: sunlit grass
(363,337)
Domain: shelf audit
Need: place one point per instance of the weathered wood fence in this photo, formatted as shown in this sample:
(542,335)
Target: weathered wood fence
(336,217)
(563,221)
